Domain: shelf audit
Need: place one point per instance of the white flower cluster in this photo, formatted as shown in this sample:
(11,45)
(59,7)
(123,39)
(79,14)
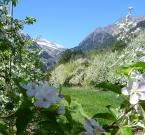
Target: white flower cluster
(92,128)
(45,95)
(135,88)
(125,33)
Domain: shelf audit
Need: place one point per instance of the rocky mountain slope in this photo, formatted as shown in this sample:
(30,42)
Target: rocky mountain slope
(103,38)
(49,52)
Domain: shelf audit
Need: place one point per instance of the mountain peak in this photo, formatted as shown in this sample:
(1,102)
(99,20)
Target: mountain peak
(45,42)
(103,38)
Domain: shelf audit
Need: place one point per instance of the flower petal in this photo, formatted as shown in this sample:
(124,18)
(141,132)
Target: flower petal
(30,92)
(135,85)
(134,98)
(38,104)
(88,127)
(142,87)
(142,96)
(125,91)
(42,104)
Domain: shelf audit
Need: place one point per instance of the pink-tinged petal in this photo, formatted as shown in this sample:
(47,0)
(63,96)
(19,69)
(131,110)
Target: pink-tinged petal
(125,91)
(142,96)
(134,98)
(142,87)
(135,85)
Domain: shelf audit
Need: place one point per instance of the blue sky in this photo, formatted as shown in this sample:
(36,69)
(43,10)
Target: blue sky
(68,22)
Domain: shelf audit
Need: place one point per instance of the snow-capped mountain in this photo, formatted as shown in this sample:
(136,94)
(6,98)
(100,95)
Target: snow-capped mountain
(49,53)
(53,49)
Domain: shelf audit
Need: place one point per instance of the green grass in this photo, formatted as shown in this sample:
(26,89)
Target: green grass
(93,100)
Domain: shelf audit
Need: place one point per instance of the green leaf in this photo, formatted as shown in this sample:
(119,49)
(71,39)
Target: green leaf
(139,65)
(113,111)
(23,117)
(9,106)
(30,20)
(19,81)
(142,110)
(124,70)
(68,115)
(14,2)
(68,99)
(53,107)
(143,105)
(125,103)
(128,68)
(3,129)
(124,131)
(109,86)
(127,131)
(107,116)
(114,131)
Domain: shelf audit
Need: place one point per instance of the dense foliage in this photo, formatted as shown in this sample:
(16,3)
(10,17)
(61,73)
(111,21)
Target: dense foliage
(100,66)
(69,54)
(29,106)
(119,45)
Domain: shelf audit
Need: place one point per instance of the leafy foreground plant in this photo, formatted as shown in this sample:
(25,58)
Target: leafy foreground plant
(58,111)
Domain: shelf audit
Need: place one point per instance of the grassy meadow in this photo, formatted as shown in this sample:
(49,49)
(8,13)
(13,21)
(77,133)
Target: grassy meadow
(93,100)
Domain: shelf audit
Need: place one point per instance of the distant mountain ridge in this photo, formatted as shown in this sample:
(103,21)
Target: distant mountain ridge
(49,51)
(53,49)
(103,38)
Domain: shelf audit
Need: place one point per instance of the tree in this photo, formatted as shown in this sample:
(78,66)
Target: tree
(118,45)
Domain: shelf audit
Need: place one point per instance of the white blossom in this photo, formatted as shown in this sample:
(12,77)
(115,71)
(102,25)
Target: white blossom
(45,95)
(136,90)
(30,87)
(124,28)
(137,76)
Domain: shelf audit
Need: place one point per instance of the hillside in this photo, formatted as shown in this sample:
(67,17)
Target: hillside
(103,38)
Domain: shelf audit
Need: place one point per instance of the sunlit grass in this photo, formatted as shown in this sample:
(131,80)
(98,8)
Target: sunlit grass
(93,100)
